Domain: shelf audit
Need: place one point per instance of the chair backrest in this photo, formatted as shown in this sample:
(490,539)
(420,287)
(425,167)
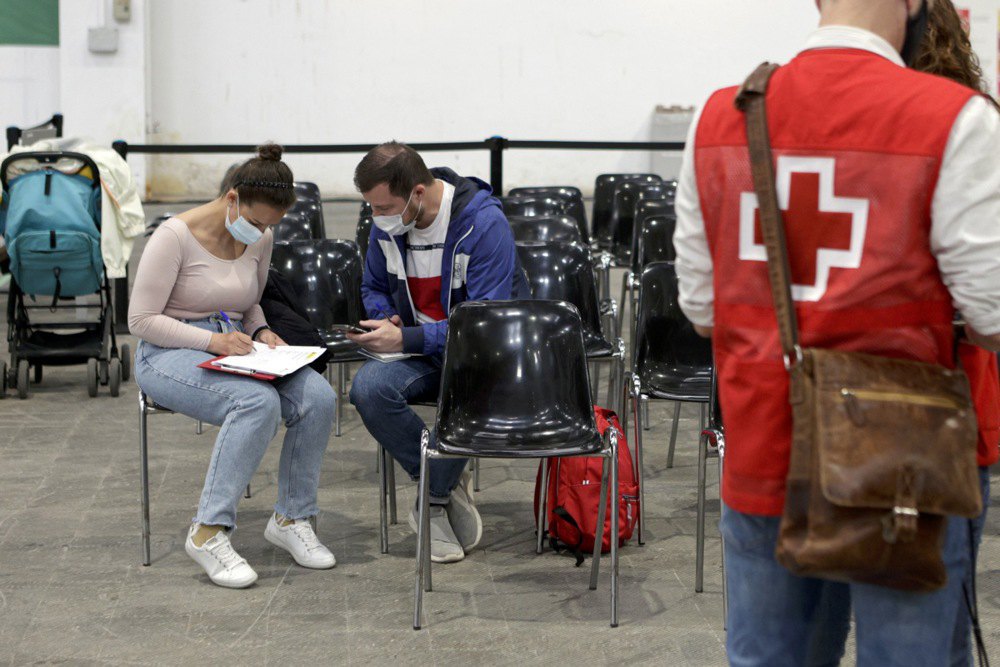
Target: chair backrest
(548,228)
(293,227)
(645,209)
(363,234)
(664,337)
(307,191)
(565,272)
(326,274)
(656,241)
(515,380)
(604,195)
(312,212)
(571,194)
(534,206)
(627,197)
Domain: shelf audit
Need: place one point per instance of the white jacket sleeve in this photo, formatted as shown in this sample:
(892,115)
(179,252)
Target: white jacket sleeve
(694,261)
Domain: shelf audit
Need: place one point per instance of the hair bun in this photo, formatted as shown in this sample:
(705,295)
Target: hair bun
(269,151)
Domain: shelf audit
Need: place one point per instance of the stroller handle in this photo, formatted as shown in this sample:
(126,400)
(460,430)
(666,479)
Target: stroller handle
(49,157)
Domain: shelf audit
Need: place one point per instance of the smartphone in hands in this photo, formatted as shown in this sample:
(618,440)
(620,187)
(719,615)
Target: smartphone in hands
(349,328)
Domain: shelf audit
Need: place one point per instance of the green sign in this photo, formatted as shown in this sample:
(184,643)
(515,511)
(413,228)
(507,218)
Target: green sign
(29,22)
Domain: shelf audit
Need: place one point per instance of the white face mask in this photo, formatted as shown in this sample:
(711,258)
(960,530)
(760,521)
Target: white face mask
(242,230)
(393,225)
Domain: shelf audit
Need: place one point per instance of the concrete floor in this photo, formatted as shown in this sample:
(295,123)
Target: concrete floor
(72,589)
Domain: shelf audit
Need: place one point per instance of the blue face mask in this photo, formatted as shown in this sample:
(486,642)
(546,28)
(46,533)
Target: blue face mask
(242,230)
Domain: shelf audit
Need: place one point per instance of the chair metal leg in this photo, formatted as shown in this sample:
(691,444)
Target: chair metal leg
(423,536)
(200,428)
(247,493)
(595,379)
(475,475)
(144,479)
(390,476)
(615,509)
(725,588)
(543,496)
(673,434)
(637,416)
(699,559)
(595,566)
(626,279)
(383,527)
(341,384)
(645,413)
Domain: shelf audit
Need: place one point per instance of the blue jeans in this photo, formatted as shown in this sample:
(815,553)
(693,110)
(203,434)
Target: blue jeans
(961,643)
(382,393)
(776,618)
(249,412)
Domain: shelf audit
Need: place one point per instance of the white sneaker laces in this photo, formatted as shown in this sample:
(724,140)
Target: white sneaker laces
(306,535)
(225,554)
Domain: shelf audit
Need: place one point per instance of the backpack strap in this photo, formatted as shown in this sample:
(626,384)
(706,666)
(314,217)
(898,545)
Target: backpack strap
(575,548)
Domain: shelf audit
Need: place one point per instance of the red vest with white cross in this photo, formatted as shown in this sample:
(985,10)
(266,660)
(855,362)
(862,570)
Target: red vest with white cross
(857,143)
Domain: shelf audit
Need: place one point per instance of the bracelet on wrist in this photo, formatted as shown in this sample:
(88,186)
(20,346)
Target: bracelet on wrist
(258,331)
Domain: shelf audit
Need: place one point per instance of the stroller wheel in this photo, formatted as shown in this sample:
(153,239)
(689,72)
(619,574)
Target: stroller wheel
(22,378)
(115,376)
(126,355)
(102,372)
(92,377)
(11,374)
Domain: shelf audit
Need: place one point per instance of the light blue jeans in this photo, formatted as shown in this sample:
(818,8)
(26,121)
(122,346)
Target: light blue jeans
(776,618)
(249,412)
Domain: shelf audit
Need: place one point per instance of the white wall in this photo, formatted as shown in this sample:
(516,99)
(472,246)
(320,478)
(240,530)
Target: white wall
(29,81)
(347,71)
(103,95)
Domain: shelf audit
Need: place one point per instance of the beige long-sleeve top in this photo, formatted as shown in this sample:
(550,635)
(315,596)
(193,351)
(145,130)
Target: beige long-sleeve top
(178,279)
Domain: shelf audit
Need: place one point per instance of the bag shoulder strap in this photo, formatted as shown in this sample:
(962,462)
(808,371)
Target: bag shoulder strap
(750,101)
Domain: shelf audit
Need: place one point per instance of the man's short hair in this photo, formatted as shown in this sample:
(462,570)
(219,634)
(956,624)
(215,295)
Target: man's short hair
(395,164)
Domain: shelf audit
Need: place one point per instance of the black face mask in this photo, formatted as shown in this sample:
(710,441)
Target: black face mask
(916,26)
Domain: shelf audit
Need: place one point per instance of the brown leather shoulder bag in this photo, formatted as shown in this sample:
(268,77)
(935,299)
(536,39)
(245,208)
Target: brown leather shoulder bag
(882,449)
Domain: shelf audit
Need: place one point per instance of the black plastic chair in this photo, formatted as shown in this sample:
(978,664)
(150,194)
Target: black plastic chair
(312,212)
(564,272)
(534,206)
(307,191)
(672,361)
(604,197)
(326,274)
(628,196)
(293,227)
(514,385)
(644,210)
(571,194)
(363,234)
(547,228)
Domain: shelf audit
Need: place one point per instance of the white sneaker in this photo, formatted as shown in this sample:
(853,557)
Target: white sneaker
(220,561)
(299,539)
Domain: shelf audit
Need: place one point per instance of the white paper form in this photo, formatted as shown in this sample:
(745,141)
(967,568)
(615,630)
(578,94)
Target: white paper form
(282,360)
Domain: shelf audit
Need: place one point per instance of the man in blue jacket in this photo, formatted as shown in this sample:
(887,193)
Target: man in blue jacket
(438,239)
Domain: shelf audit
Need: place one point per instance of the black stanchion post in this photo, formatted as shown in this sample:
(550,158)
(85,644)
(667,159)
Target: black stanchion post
(120,285)
(57,122)
(497,146)
(13,136)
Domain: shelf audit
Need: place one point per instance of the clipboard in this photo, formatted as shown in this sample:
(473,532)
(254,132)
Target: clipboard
(207,365)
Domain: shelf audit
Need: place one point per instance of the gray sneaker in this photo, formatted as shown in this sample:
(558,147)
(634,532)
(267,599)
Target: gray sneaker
(445,547)
(463,515)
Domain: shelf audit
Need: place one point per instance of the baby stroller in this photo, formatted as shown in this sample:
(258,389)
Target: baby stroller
(51,223)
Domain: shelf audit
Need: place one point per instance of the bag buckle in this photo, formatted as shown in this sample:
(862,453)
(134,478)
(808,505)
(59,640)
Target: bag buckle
(900,525)
(797,349)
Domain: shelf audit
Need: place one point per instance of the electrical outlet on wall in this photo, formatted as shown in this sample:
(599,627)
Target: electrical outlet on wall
(123,10)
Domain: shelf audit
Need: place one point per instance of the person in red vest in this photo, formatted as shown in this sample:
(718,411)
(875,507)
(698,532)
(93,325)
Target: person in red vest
(889,184)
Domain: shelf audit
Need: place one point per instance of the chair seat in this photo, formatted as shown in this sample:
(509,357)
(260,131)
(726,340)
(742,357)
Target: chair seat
(676,384)
(541,441)
(596,346)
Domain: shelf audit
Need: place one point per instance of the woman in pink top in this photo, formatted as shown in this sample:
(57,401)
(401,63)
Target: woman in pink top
(196,296)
